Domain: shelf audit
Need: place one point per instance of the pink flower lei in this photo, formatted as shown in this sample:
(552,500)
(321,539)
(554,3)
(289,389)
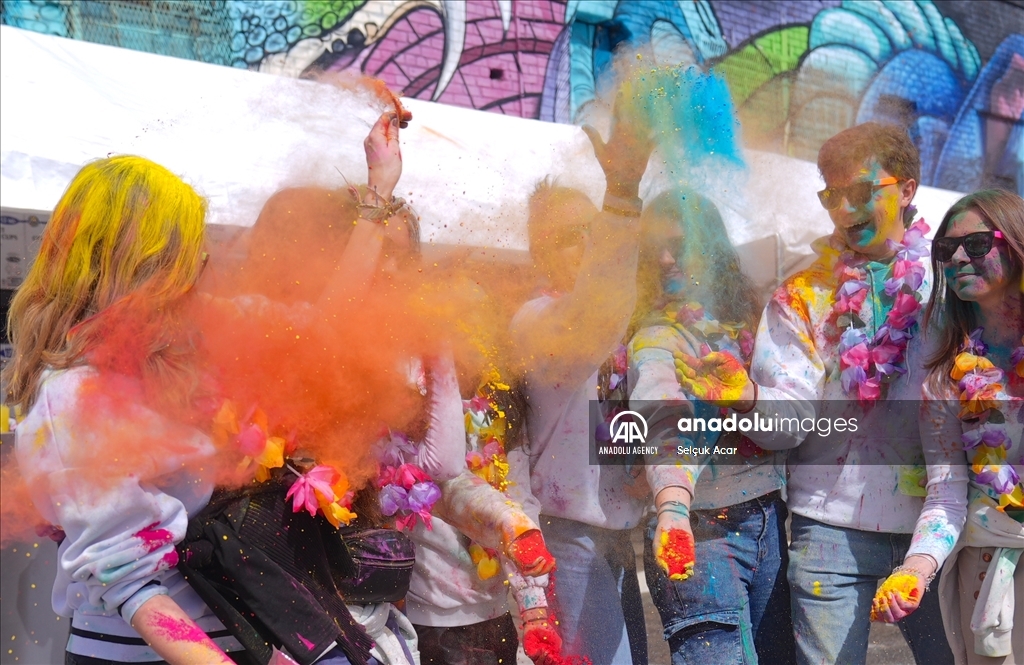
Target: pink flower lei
(982,396)
(868,363)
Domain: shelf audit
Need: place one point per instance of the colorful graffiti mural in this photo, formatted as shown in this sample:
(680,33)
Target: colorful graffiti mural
(798,70)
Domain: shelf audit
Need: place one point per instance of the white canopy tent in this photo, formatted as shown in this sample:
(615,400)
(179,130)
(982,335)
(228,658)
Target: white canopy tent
(239,136)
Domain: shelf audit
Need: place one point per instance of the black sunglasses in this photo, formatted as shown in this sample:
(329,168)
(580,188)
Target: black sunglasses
(858,194)
(976,245)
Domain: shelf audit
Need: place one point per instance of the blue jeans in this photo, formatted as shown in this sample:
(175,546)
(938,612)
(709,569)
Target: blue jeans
(735,609)
(596,593)
(833,574)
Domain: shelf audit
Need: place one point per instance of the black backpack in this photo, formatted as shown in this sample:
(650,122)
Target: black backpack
(266,572)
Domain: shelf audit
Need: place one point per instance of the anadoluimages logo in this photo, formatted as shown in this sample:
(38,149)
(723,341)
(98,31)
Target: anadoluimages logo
(628,430)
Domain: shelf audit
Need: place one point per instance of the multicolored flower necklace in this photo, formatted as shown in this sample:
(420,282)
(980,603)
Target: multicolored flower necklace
(407,492)
(982,396)
(321,488)
(486,432)
(868,363)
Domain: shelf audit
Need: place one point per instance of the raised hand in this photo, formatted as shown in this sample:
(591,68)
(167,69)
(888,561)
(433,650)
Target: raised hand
(384,154)
(718,378)
(624,157)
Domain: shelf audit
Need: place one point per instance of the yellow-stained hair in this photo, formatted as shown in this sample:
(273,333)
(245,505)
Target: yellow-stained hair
(126,228)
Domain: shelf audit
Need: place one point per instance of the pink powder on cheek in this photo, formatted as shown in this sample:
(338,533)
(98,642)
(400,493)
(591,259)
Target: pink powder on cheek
(180,630)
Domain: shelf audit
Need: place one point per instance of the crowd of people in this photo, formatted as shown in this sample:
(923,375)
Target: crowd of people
(406,551)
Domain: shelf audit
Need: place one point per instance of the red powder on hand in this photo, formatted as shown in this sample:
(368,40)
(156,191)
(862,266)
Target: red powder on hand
(528,551)
(544,642)
(677,554)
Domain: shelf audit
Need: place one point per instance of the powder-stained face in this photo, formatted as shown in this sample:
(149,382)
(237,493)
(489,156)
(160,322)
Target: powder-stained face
(663,241)
(986,278)
(866,227)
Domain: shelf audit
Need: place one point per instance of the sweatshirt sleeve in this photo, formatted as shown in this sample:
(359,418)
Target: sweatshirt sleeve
(945,505)
(443,451)
(482,513)
(786,367)
(652,375)
(121,530)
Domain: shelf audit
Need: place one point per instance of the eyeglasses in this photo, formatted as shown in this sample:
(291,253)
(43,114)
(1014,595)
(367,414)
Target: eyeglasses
(858,194)
(976,245)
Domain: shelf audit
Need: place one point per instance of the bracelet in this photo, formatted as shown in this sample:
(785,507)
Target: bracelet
(535,614)
(377,213)
(911,571)
(676,507)
(631,207)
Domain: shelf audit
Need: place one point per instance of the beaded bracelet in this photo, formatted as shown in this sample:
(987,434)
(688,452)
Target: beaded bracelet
(917,573)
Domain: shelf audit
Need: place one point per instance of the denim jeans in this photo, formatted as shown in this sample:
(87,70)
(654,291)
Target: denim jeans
(596,592)
(833,574)
(735,609)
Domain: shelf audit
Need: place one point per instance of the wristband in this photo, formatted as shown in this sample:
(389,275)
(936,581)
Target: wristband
(623,207)
(675,507)
(917,573)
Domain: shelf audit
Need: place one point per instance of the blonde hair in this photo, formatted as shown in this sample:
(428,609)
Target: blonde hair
(126,236)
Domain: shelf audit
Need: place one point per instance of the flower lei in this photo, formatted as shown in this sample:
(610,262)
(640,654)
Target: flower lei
(868,363)
(713,335)
(407,492)
(321,488)
(981,398)
(486,431)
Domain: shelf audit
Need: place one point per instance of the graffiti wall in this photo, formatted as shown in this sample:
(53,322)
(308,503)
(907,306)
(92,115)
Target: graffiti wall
(951,72)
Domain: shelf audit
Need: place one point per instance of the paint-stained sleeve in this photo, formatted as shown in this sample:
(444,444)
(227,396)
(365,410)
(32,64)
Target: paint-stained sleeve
(945,505)
(786,367)
(655,393)
(482,513)
(443,451)
(120,530)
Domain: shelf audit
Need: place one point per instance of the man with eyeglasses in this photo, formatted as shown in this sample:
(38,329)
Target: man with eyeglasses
(840,340)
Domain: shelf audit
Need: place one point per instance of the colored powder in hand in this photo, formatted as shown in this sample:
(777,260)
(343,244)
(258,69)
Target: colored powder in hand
(528,548)
(903,585)
(536,642)
(677,553)
(180,630)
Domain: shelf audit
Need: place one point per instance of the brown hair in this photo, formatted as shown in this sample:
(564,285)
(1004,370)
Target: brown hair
(720,285)
(953,318)
(845,152)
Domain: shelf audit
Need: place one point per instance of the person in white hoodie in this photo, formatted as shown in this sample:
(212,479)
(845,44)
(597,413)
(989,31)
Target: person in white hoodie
(837,341)
(973,396)
(562,339)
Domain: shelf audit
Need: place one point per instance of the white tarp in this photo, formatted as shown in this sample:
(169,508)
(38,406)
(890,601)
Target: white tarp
(238,136)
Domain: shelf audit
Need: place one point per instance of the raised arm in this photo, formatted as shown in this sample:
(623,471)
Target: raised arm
(579,328)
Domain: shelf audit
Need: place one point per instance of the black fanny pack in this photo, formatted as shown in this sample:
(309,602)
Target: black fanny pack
(372,565)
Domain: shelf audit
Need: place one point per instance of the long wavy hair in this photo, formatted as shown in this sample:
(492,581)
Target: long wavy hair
(121,250)
(708,261)
(947,316)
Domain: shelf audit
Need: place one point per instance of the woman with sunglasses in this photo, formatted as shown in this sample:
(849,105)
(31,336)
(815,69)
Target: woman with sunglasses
(734,598)
(973,396)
